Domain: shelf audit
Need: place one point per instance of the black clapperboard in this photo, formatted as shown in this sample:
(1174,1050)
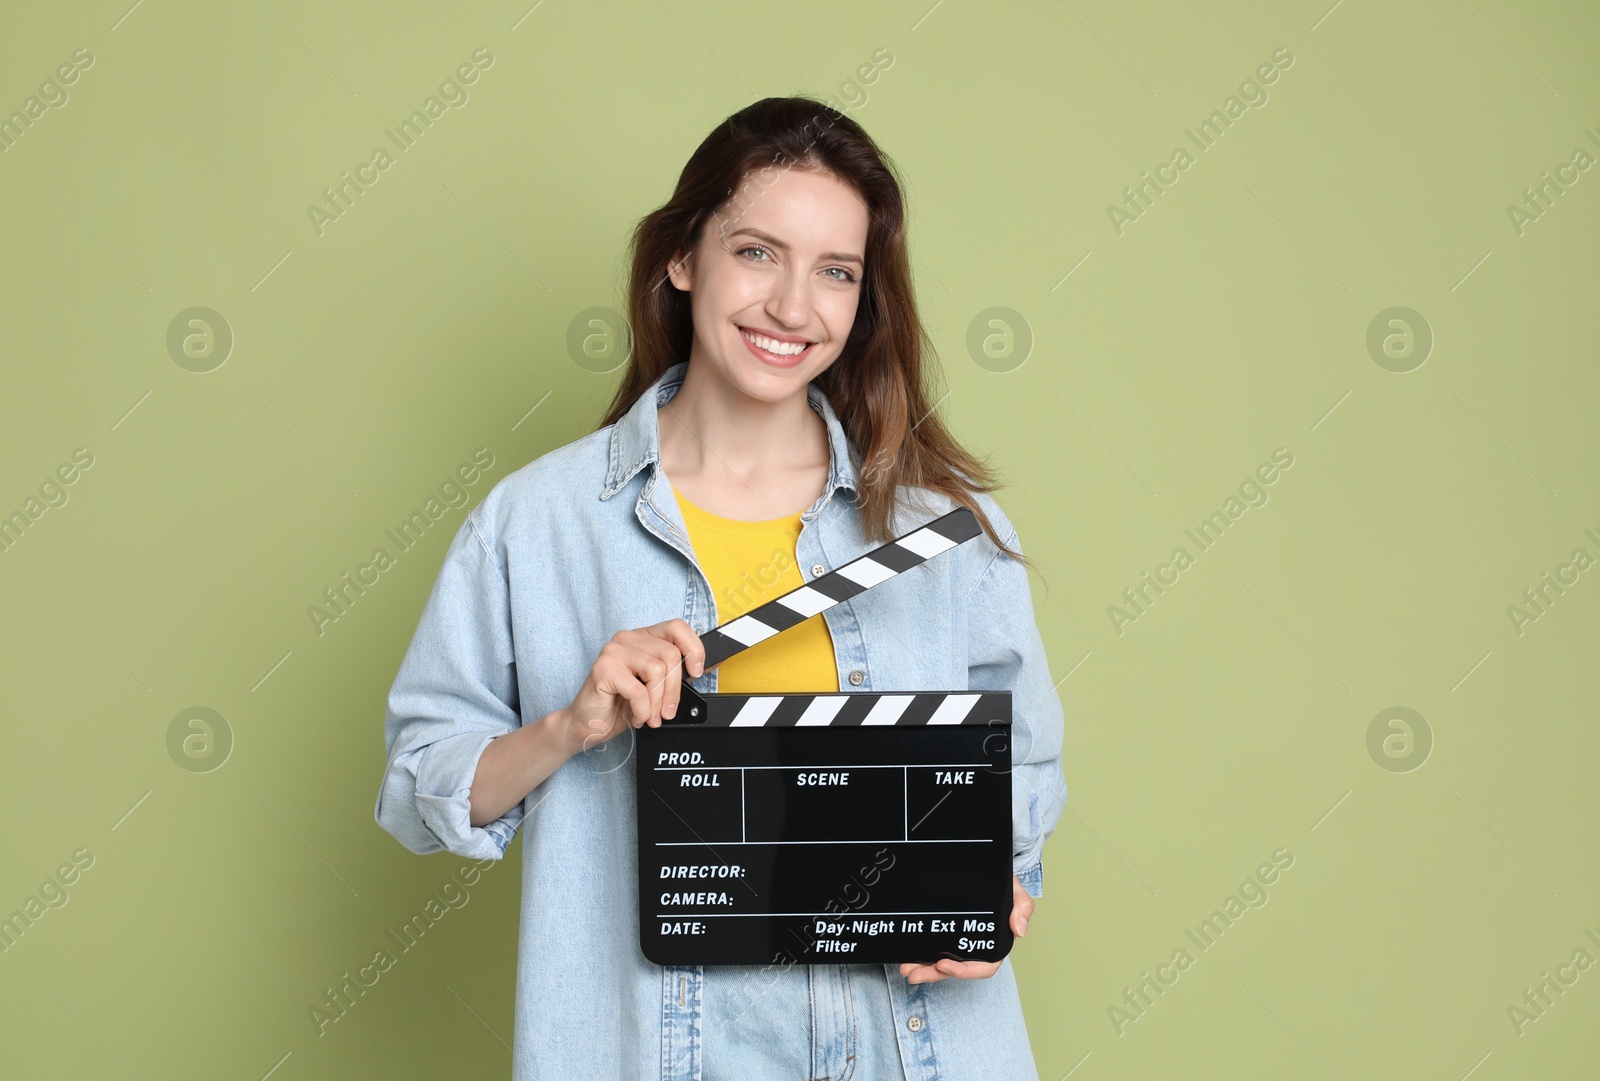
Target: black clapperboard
(850,828)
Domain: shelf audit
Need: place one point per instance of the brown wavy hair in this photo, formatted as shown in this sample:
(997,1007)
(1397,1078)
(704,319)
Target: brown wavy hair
(879,386)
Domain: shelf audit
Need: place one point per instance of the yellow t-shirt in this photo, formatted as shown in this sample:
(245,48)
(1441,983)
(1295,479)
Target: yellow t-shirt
(749,564)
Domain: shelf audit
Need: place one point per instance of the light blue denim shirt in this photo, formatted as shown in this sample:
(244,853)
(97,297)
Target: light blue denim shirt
(586,541)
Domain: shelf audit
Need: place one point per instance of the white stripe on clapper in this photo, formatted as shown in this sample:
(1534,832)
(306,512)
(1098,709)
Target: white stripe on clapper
(822,709)
(953,709)
(747,631)
(755,711)
(866,573)
(926,543)
(888,709)
(805,600)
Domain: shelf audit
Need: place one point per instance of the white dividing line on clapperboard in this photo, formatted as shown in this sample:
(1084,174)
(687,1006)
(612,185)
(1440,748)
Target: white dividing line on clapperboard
(873,841)
(905,793)
(830,765)
(699,915)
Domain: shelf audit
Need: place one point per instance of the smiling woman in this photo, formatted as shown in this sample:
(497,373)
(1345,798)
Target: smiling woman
(773,299)
(775,421)
(789,223)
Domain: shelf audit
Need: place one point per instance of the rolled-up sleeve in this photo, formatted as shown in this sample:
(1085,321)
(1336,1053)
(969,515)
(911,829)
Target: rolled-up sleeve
(1007,654)
(456,690)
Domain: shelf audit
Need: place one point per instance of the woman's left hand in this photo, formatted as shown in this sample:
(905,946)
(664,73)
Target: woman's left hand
(1021,909)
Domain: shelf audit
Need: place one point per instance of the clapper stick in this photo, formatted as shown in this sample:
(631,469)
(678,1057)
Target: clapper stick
(778,615)
(858,827)
(857,576)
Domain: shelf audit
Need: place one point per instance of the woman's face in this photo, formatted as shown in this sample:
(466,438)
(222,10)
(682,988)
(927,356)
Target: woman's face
(781,261)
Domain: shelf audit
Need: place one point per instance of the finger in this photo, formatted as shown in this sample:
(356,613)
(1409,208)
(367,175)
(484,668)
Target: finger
(650,661)
(688,644)
(656,664)
(1021,908)
(968,970)
(618,679)
(922,973)
(672,685)
(659,665)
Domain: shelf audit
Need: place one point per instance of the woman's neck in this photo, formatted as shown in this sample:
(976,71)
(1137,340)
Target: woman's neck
(741,458)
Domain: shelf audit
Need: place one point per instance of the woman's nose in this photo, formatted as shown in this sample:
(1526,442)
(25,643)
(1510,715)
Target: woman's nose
(790,305)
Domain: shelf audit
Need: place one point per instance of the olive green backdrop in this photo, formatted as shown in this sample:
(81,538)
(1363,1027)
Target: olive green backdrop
(1383,671)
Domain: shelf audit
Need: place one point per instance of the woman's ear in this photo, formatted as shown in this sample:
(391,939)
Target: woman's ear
(678,270)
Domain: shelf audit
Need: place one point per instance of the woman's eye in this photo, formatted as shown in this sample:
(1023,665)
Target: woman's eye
(847,276)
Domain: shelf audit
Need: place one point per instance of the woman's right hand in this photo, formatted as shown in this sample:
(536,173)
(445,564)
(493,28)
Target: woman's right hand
(635,681)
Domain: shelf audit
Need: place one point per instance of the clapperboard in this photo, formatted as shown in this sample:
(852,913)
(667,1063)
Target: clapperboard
(851,828)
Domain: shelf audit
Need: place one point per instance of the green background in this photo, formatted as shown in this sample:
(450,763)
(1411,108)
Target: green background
(1230,720)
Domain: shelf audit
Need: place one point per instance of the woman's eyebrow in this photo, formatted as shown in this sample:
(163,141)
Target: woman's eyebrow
(839,256)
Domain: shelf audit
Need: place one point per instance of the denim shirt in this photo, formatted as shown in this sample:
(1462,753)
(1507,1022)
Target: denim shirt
(586,541)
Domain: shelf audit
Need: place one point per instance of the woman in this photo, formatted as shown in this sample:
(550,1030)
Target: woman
(776,348)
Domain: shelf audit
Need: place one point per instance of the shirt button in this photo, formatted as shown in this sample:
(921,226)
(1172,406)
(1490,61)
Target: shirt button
(818,570)
(856,677)
(914,1024)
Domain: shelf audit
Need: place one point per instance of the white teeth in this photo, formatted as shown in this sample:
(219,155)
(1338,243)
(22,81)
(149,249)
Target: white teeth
(785,349)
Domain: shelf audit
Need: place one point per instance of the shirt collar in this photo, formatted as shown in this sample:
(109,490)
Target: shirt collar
(636,438)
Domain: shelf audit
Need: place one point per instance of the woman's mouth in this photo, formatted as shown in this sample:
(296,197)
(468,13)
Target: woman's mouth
(773,352)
